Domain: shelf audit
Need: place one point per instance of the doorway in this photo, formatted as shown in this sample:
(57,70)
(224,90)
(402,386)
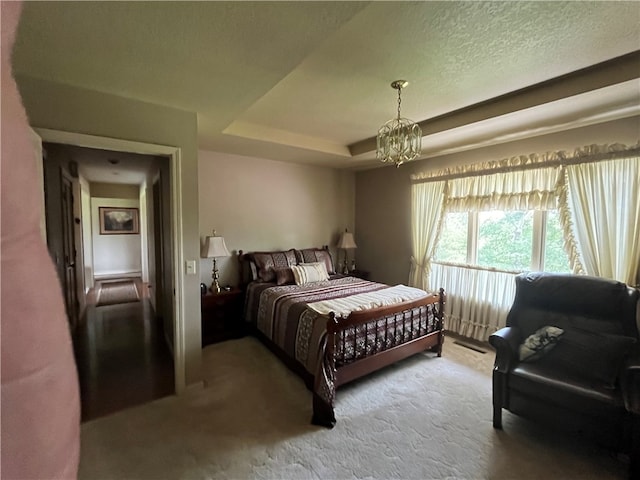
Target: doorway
(177,233)
(123,355)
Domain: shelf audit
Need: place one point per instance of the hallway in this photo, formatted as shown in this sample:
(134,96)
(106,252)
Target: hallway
(122,358)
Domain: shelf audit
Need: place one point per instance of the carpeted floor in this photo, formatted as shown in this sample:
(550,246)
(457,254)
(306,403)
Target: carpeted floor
(424,418)
(115,292)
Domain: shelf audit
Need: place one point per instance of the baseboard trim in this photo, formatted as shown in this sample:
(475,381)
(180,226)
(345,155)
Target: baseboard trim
(113,276)
(470,346)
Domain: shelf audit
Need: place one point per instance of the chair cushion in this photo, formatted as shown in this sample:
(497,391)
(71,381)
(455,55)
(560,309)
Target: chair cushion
(555,386)
(594,358)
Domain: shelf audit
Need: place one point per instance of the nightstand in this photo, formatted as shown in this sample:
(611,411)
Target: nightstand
(221,316)
(363,274)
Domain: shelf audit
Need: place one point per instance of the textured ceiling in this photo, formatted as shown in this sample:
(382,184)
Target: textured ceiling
(304,81)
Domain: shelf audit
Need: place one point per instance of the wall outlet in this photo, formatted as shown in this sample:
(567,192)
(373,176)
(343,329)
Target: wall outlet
(190,267)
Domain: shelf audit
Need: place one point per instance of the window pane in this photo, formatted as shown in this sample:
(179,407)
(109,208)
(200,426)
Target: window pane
(505,239)
(453,238)
(555,258)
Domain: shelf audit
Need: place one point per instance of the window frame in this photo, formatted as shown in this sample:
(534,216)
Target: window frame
(538,247)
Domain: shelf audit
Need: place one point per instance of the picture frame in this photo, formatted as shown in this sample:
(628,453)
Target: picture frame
(119,221)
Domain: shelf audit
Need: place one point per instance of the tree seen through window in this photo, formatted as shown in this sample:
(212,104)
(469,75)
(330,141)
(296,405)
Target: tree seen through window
(503,240)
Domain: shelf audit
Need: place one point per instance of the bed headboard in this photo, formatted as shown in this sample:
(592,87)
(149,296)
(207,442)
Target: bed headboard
(261,266)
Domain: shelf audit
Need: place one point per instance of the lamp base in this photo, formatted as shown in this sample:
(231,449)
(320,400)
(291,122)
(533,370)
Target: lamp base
(345,268)
(215,287)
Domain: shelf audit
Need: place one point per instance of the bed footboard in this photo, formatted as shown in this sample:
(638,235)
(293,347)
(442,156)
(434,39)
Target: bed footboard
(369,340)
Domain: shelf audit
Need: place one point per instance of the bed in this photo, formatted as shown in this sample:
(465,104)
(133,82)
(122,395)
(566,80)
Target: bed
(337,329)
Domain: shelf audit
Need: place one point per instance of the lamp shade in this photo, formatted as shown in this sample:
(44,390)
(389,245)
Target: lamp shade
(215,247)
(347,241)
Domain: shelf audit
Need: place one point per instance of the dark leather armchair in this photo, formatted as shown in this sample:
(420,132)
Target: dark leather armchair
(589,382)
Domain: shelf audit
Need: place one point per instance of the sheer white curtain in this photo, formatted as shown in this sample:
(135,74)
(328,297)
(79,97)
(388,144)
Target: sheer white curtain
(478,300)
(427,200)
(603,202)
(599,206)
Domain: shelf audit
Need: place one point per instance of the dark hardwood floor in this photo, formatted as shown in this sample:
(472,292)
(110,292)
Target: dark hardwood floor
(122,358)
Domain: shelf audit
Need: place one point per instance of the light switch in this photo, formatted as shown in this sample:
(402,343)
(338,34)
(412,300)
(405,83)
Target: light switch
(190,267)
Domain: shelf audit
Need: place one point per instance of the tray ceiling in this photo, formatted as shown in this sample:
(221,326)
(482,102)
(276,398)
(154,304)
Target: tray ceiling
(309,81)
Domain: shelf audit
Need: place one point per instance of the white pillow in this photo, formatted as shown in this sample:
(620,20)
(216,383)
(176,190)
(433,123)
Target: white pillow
(539,343)
(309,272)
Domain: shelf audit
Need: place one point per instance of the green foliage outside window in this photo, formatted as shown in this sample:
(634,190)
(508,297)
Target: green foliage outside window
(504,241)
(555,258)
(452,246)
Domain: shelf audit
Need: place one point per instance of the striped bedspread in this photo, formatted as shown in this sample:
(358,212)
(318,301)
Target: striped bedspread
(342,307)
(294,317)
(281,312)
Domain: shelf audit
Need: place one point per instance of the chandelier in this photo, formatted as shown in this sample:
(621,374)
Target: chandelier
(399,140)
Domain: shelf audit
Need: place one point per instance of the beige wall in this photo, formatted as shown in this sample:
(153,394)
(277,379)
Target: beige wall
(258,204)
(61,107)
(114,190)
(383,195)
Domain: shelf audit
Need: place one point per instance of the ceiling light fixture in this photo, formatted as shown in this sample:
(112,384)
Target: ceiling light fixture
(399,140)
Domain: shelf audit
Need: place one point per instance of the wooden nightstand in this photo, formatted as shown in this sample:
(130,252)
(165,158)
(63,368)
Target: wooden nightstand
(222,316)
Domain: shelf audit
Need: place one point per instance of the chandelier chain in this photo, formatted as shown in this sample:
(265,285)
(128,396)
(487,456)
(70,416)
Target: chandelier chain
(399,102)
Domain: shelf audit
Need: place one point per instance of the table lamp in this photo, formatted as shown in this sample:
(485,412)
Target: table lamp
(345,243)
(214,247)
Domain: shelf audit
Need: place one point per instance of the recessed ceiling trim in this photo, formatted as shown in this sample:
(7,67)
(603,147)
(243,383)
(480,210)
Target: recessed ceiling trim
(604,74)
(443,143)
(283,137)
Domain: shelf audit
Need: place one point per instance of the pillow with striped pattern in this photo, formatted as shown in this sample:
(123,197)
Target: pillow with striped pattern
(309,272)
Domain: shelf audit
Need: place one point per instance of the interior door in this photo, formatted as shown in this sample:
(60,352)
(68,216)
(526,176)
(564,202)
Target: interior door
(163,259)
(60,229)
(70,282)
(158,246)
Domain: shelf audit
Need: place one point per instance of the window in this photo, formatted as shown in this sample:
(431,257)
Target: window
(452,246)
(555,258)
(516,240)
(505,239)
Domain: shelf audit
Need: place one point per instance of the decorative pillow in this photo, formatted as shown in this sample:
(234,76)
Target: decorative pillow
(284,276)
(266,262)
(595,357)
(309,272)
(539,343)
(313,255)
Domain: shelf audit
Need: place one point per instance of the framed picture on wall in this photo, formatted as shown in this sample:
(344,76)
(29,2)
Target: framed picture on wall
(118,221)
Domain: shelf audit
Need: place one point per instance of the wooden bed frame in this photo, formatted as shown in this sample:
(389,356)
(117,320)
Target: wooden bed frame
(344,371)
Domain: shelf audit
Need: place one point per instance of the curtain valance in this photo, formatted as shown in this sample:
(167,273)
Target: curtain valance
(589,153)
(515,190)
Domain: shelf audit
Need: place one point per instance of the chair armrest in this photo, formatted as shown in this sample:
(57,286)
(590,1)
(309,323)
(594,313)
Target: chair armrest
(630,383)
(506,341)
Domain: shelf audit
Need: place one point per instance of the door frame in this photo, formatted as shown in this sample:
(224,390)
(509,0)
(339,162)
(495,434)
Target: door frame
(177,233)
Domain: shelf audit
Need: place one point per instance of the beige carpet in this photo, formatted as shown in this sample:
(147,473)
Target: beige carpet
(115,292)
(424,418)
